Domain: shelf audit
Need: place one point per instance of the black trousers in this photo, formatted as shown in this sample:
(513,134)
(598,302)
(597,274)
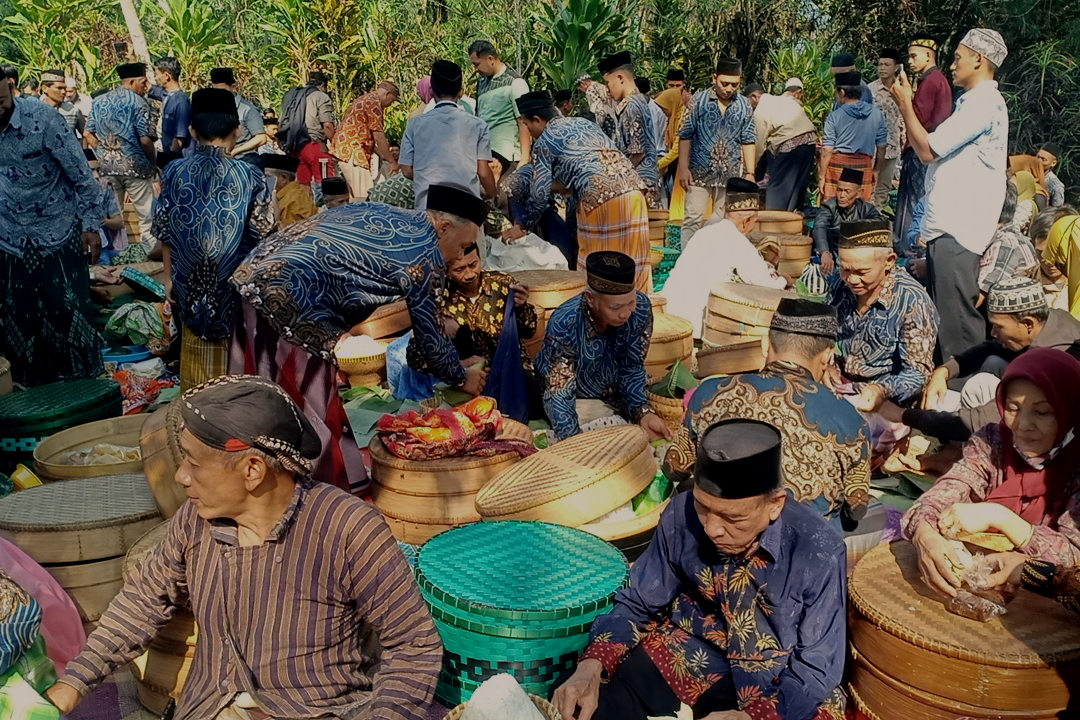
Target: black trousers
(789,176)
(954,286)
(912,189)
(638,691)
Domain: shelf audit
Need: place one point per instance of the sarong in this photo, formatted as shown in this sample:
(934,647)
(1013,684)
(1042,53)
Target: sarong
(258,349)
(912,190)
(45,326)
(859,161)
(201,360)
(622,224)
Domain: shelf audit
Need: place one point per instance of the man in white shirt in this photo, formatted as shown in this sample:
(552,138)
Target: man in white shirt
(720,252)
(967,156)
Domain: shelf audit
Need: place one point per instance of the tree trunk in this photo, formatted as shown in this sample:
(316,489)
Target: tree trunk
(134,26)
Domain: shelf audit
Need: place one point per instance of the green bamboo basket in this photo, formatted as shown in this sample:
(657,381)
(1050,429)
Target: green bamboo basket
(515,597)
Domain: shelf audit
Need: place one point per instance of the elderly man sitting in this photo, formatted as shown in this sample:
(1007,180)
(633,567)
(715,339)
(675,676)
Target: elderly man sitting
(736,608)
(592,363)
(845,207)
(286,578)
(888,325)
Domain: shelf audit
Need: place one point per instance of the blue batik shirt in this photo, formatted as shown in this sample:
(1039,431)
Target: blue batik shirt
(47,190)
(716,138)
(119,118)
(771,623)
(577,154)
(578,361)
(892,344)
(212,212)
(634,134)
(322,275)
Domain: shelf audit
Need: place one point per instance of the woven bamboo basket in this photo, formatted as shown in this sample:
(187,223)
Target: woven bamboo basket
(750,304)
(656,256)
(514,597)
(574,481)
(727,326)
(630,536)
(385,321)
(6,383)
(796,247)
(670,410)
(549,289)
(124,431)
(780,221)
(659,304)
(366,371)
(131,223)
(421,498)
(658,221)
(672,339)
(91,585)
(160,443)
(791,268)
(549,711)
(533,344)
(914,659)
(161,671)
(738,357)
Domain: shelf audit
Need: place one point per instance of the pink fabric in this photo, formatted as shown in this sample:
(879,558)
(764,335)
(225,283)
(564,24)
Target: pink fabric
(60,624)
(423,89)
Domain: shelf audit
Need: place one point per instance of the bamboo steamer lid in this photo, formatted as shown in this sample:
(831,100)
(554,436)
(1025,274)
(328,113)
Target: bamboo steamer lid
(91,585)
(915,659)
(160,444)
(659,303)
(727,326)
(750,304)
(574,481)
(796,247)
(780,221)
(385,321)
(792,268)
(549,289)
(50,453)
(739,357)
(93,519)
(672,339)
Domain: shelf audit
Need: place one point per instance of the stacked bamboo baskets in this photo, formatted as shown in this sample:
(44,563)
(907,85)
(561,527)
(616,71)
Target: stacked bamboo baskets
(780,221)
(672,340)
(50,456)
(548,289)
(736,331)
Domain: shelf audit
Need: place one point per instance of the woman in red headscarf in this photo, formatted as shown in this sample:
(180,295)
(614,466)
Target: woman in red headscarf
(1018,477)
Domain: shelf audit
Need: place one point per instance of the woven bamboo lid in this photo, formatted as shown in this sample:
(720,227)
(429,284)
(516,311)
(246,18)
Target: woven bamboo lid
(90,519)
(887,590)
(51,404)
(751,304)
(744,356)
(668,327)
(574,481)
(551,288)
(385,320)
(143,547)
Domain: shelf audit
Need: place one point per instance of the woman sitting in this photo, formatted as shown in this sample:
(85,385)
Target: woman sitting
(1018,477)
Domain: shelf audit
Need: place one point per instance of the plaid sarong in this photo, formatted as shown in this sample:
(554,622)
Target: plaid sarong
(859,161)
(622,224)
(201,360)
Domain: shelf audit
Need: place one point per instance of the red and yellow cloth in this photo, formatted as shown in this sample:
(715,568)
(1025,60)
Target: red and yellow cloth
(470,429)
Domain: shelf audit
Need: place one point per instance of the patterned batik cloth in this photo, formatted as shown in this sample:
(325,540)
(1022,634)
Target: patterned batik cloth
(354,141)
(716,138)
(837,164)
(634,136)
(771,622)
(480,319)
(45,328)
(20,621)
(622,224)
(470,429)
(119,118)
(825,454)
(892,343)
(576,361)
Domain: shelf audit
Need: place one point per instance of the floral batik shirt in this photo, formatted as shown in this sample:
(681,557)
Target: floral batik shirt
(322,275)
(772,623)
(634,135)
(716,138)
(119,118)
(892,344)
(354,141)
(826,451)
(578,361)
(577,154)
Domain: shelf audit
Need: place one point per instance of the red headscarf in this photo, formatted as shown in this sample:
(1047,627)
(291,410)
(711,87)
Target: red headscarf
(1038,495)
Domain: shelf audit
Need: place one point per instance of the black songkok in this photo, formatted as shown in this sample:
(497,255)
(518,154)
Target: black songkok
(273,161)
(334,186)
(131,70)
(741,194)
(892,54)
(865,233)
(851,78)
(239,412)
(852,175)
(613,62)
(213,100)
(729,66)
(610,272)
(739,459)
(805,317)
(222,76)
(531,103)
(457,201)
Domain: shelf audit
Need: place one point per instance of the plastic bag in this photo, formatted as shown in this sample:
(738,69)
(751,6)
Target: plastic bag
(968,604)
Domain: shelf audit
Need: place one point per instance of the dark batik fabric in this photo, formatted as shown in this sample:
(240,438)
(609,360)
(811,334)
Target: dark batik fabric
(634,135)
(298,607)
(716,138)
(480,320)
(119,119)
(45,326)
(771,622)
(321,276)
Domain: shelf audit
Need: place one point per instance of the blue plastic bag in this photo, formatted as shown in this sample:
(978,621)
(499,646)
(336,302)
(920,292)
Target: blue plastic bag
(506,376)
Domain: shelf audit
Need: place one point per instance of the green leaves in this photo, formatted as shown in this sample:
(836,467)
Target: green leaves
(575,34)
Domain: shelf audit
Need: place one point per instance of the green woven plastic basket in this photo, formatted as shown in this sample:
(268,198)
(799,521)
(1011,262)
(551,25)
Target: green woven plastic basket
(515,597)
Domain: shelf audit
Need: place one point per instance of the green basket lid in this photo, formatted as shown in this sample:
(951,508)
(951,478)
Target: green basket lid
(57,400)
(521,570)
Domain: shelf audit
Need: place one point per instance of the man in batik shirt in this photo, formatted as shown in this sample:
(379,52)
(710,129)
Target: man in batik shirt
(826,452)
(361,136)
(592,362)
(736,608)
(634,134)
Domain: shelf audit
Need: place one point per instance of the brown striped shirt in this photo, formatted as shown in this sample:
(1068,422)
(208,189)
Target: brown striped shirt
(299,607)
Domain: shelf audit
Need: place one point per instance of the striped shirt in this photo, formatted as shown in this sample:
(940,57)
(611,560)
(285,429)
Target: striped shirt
(289,621)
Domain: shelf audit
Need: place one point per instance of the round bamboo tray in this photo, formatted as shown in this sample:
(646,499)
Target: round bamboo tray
(912,658)
(750,304)
(160,443)
(549,289)
(791,268)
(728,359)
(670,410)
(574,481)
(6,383)
(780,221)
(672,339)
(50,453)
(161,671)
(549,711)
(385,321)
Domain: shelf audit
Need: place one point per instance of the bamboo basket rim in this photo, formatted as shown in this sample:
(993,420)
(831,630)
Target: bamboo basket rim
(622,529)
(549,711)
(743,294)
(126,497)
(550,280)
(661,400)
(52,447)
(668,327)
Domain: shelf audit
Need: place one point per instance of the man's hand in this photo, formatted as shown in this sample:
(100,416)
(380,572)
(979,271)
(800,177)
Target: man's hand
(474,381)
(63,696)
(901,90)
(821,190)
(521,294)
(870,398)
(582,691)
(655,428)
(1008,568)
(684,177)
(937,570)
(936,389)
(108,275)
(92,244)
(874,176)
(513,234)
(828,262)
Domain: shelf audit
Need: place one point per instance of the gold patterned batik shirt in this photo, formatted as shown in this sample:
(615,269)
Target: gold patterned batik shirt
(480,320)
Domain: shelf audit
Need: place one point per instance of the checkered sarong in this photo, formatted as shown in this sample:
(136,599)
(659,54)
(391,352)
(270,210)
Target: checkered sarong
(201,360)
(859,161)
(621,223)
